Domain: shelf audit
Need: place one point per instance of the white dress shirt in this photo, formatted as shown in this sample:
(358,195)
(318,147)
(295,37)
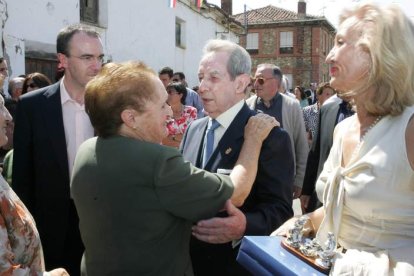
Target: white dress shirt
(78,127)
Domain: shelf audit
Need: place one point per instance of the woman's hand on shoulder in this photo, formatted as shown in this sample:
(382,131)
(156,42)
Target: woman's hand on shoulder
(259,126)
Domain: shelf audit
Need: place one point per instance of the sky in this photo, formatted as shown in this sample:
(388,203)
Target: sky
(329,8)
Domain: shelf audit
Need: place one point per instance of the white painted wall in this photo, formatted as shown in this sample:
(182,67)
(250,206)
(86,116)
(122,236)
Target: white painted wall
(34,20)
(131,30)
(148,34)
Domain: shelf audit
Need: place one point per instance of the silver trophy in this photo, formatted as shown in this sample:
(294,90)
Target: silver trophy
(328,252)
(295,234)
(320,256)
(310,248)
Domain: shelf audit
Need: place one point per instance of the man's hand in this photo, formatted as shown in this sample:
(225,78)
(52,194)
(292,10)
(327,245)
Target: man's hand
(222,230)
(259,126)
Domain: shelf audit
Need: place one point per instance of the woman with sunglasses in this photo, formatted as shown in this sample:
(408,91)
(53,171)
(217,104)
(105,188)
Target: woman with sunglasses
(35,81)
(182,116)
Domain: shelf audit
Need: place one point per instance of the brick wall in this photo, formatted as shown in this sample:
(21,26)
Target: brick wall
(306,64)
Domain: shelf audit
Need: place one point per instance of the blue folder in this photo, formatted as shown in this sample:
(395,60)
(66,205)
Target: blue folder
(264,255)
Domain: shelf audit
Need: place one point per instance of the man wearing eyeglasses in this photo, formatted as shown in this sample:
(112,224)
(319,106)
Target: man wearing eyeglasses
(50,125)
(287,111)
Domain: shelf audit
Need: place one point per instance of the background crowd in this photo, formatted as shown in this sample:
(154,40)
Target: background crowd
(117,169)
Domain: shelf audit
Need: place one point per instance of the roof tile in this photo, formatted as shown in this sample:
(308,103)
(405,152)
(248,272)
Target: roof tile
(271,14)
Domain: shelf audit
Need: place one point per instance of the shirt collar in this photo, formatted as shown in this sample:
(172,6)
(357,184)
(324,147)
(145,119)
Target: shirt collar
(226,118)
(64,95)
(272,100)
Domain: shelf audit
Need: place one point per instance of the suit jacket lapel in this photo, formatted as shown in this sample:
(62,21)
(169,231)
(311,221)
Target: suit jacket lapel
(194,148)
(52,111)
(228,148)
(331,116)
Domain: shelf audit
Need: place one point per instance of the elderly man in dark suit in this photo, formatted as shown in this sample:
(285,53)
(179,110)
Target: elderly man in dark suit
(224,73)
(51,123)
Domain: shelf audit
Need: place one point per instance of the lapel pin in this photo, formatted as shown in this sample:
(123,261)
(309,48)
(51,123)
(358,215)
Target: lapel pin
(227,151)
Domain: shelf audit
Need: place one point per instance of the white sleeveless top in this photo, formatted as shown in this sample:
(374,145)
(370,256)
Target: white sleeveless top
(369,204)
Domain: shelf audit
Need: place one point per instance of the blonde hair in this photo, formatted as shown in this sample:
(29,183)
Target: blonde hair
(387,35)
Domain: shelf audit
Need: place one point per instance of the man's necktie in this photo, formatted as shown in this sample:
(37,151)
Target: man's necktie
(209,138)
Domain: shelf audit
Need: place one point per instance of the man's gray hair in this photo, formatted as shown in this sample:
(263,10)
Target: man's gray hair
(239,59)
(276,72)
(14,83)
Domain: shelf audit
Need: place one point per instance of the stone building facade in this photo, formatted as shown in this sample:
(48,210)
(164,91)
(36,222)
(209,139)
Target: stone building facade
(296,42)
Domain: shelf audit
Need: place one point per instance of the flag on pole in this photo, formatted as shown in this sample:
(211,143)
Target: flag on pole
(199,3)
(172,3)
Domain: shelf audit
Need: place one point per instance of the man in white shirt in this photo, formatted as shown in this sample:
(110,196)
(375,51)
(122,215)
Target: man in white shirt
(50,125)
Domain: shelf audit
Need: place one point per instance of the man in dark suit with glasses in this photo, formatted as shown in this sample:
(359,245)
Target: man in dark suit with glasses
(51,123)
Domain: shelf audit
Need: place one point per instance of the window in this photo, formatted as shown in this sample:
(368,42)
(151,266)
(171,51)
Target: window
(286,43)
(179,33)
(252,43)
(325,44)
(89,11)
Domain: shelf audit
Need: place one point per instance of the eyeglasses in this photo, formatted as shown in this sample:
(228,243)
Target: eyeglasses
(90,58)
(261,80)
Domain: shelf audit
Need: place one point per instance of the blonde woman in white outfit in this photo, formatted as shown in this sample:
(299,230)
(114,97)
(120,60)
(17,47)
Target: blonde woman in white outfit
(367,184)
